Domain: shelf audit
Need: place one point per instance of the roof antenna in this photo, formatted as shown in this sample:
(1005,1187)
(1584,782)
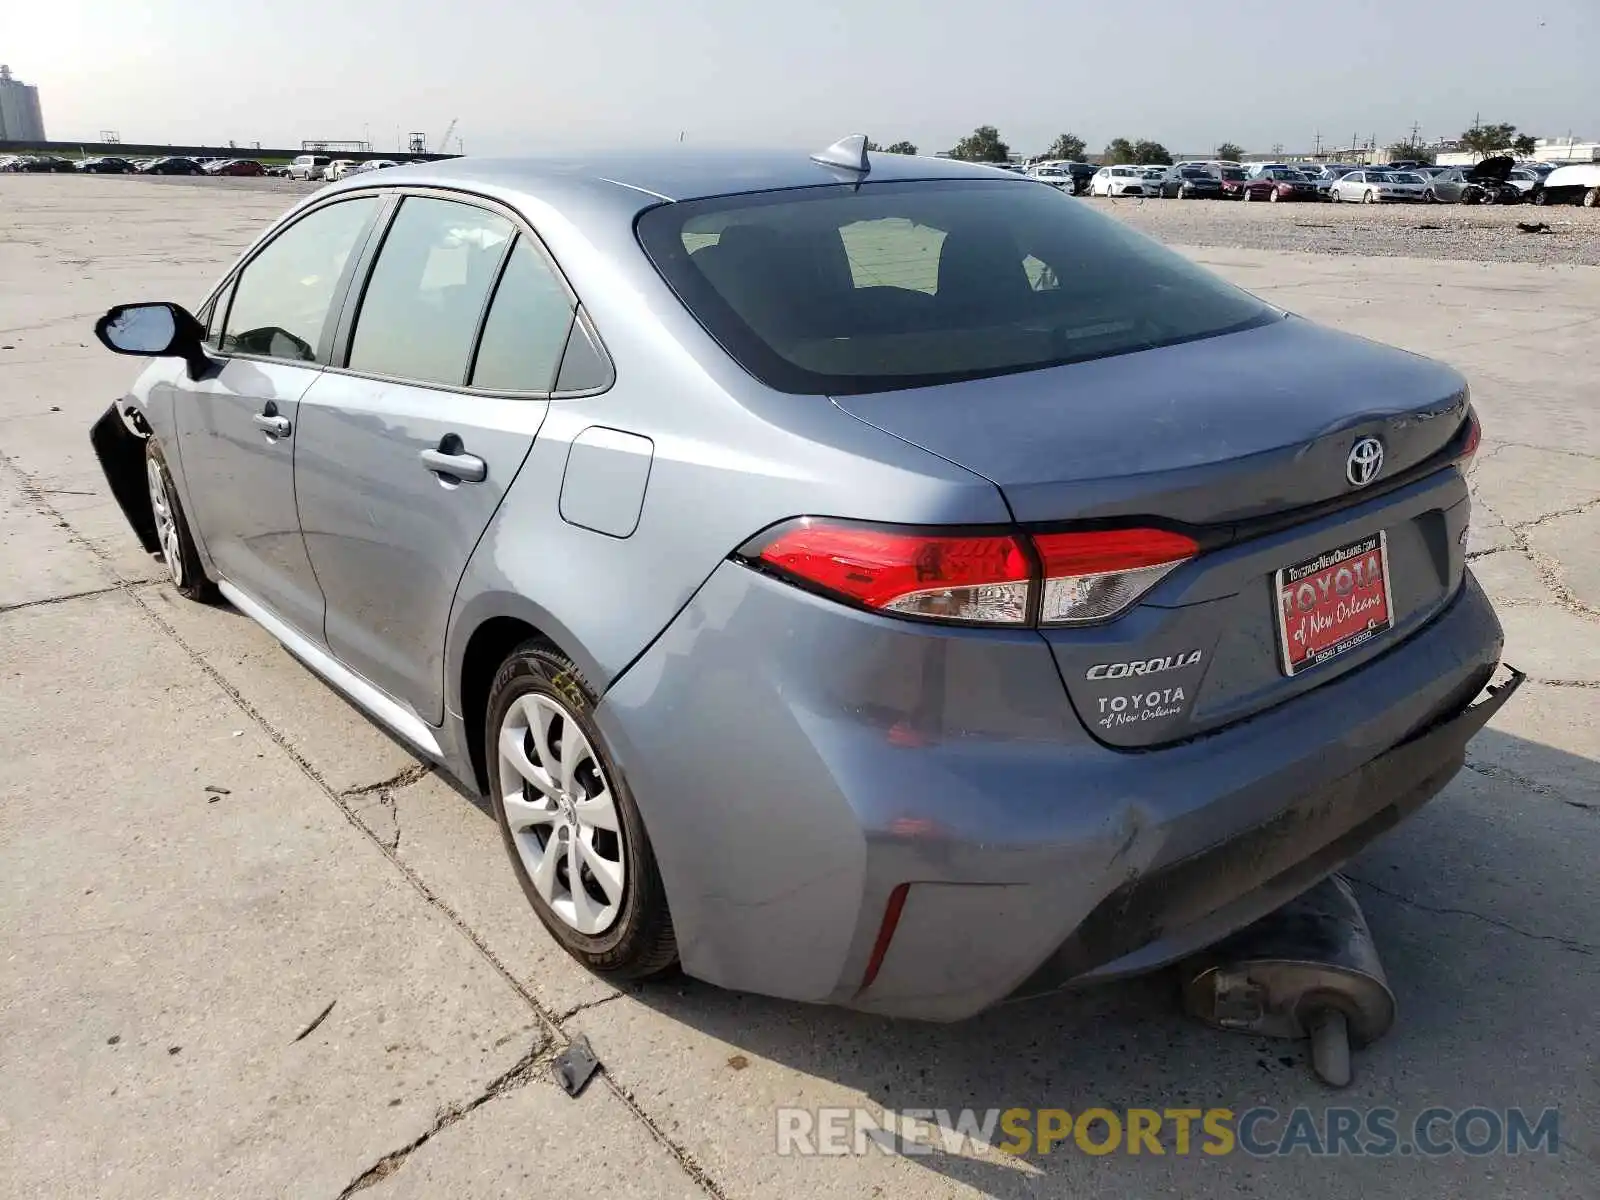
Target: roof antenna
(849,153)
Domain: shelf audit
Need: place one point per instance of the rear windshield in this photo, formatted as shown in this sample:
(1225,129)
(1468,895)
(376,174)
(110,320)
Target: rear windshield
(837,290)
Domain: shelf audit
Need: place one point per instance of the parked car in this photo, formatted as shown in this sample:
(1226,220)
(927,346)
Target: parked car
(1190,183)
(105,166)
(309,166)
(1255,169)
(277,170)
(372,164)
(338,168)
(1486,183)
(1576,184)
(172,166)
(1233,180)
(881,755)
(235,167)
(1524,181)
(1279,183)
(35,164)
(1375,187)
(1120,180)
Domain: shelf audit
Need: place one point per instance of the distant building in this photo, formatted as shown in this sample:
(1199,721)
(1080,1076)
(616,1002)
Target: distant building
(19,110)
(1556,150)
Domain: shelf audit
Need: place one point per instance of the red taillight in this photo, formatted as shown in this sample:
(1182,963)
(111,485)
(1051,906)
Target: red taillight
(985,578)
(953,577)
(1474,436)
(1095,575)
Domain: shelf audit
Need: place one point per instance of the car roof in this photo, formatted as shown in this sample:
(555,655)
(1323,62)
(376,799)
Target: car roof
(638,178)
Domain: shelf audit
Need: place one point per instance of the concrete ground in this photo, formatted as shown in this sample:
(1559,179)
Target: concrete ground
(286,959)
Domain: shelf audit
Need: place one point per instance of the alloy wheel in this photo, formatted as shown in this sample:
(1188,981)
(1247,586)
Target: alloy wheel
(166,522)
(562,814)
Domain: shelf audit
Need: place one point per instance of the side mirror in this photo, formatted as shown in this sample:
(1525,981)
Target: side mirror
(154,331)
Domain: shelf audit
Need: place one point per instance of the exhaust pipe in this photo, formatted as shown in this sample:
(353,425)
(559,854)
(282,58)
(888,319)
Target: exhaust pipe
(1310,970)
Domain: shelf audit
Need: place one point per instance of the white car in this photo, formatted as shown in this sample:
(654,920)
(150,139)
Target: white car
(1052,173)
(1378,187)
(309,166)
(1524,180)
(1118,181)
(338,168)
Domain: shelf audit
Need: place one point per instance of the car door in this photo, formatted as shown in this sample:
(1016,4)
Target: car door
(409,446)
(237,424)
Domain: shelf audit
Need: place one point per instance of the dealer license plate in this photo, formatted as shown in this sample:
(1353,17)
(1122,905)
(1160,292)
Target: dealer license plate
(1330,604)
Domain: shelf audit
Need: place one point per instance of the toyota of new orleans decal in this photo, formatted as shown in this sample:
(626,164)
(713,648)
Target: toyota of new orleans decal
(1151,705)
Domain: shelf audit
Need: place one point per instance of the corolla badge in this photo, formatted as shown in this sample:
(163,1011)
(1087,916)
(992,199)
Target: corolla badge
(1365,461)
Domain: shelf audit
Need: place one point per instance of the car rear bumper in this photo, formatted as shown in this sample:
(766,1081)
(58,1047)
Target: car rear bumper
(798,764)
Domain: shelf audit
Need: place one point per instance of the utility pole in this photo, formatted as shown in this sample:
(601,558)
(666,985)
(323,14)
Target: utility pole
(1317,141)
(1415,130)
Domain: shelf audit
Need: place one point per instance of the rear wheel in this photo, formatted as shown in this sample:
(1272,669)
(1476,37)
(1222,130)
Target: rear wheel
(1591,198)
(1540,198)
(1429,197)
(172,528)
(576,839)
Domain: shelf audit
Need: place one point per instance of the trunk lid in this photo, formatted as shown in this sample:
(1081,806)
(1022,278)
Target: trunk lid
(1208,432)
(1246,439)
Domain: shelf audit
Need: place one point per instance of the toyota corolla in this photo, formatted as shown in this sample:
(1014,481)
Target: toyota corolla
(861,579)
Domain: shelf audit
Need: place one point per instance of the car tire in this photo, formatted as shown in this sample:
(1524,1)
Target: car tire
(1429,197)
(172,528)
(623,932)
(1274,196)
(1368,197)
(1244,194)
(1591,198)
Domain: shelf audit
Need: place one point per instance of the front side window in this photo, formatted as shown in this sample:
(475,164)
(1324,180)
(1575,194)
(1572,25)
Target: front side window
(281,301)
(842,290)
(527,326)
(420,312)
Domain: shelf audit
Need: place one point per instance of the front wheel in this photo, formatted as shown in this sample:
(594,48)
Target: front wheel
(1369,198)
(1591,198)
(1429,197)
(1274,195)
(576,839)
(172,528)
(1540,198)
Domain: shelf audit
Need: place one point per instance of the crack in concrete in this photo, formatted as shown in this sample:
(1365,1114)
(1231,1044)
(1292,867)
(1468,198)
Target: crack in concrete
(131,588)
(1502,775)
(71,596)
(402,779)
(1446,910)
(563,1018)
(515,1077)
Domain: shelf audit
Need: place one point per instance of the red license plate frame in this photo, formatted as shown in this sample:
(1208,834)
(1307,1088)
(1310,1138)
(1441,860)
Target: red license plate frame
(1317,622)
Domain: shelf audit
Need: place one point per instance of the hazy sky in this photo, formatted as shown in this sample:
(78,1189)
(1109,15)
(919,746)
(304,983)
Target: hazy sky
(528,74)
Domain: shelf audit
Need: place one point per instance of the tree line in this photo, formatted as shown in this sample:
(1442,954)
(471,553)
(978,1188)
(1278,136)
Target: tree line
(984,144)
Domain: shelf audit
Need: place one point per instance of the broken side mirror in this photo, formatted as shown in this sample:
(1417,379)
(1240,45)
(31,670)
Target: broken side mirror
(161,330)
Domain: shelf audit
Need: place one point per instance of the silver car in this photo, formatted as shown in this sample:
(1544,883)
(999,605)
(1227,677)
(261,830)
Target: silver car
(871,580)
(1378,187)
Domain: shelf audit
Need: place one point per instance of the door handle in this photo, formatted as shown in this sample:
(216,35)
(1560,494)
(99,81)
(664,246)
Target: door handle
(270,422)
(467,468)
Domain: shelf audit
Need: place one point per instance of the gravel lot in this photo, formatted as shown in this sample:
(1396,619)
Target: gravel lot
(1479,233)
(252,947)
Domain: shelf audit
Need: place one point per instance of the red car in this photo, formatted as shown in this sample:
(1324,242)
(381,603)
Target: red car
(236,166)
(1278,183)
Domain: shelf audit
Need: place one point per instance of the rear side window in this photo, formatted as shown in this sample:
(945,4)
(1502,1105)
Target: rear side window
(526,328)
(842,290)
(284,293)
(420,311)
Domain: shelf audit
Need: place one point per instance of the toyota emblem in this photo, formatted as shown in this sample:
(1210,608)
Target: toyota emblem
(1365,461)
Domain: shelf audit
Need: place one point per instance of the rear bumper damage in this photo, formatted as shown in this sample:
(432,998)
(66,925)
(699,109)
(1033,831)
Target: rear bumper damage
(805,770)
